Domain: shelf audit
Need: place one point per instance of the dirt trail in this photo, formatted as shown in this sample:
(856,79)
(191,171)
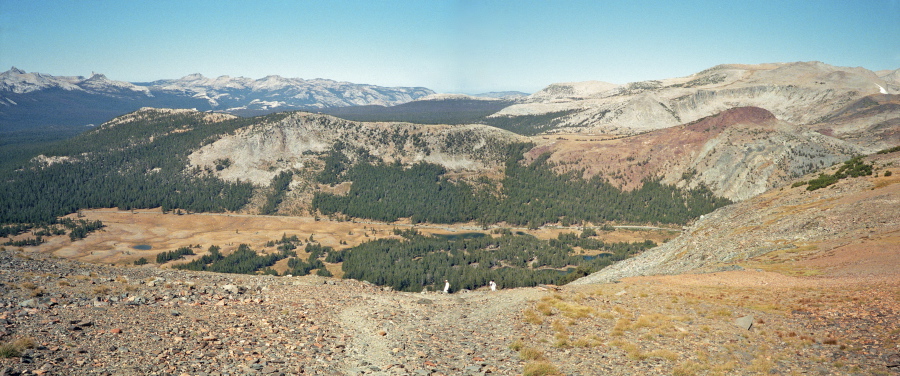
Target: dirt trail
(400,332)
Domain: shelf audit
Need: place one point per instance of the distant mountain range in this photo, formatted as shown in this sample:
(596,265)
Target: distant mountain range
(30,100)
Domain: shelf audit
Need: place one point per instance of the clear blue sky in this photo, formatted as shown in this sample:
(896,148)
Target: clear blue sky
(449,46)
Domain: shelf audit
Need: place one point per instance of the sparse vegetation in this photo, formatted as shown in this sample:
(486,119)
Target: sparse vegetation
(15,348)
(542,368)
(531,353)
(279,187)
(101,290)
(889,150)
(855,167)
(532,317)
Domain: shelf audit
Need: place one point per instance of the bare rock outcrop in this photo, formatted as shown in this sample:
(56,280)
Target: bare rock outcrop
(800,93)
(259,152)
(737,154)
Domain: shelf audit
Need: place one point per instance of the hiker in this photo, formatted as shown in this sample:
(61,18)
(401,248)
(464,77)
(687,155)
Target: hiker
(493,286)
(446,286)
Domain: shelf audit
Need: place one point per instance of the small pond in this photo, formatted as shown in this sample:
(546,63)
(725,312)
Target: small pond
(143,247)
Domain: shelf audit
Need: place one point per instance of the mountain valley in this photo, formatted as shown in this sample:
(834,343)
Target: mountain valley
(740,220)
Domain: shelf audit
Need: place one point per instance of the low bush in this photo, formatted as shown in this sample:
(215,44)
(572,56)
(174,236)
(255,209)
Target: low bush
(540,369)
(16,347)
(531,353)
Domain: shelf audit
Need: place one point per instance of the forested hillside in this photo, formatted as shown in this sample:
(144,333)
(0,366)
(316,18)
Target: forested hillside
(141,160)
(135,164)
(531,195)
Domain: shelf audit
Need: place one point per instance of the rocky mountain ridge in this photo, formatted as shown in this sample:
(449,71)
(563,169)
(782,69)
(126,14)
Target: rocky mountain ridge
(738,153)
(259,152)
(39,99)
(799,93)
(275,92)
(20,82)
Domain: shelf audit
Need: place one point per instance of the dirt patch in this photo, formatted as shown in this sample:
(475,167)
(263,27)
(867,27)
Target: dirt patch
(864,260)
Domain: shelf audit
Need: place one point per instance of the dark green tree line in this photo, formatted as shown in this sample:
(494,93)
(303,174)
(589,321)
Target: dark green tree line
(419,261)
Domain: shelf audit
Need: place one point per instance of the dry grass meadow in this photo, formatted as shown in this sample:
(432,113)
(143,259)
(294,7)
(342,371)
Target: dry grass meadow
(124,230)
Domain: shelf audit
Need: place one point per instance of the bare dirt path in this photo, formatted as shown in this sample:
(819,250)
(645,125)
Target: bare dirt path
(450,334)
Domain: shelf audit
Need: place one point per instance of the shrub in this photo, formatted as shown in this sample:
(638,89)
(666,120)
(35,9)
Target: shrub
(7,350)
(688,368)
(888,173)
(532,317)
(324,272)
(101,290)
(855,167)
(15,348)
(531,353)
(24,343)
(663,353)
(540,369)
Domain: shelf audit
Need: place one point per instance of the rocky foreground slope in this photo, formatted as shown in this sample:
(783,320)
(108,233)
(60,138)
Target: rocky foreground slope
(850,216)
(70,318)
(59,317)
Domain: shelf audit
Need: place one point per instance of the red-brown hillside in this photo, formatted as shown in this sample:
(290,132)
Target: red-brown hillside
(627,161)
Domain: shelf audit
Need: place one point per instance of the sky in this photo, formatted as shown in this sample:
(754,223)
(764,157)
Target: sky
(462,46)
